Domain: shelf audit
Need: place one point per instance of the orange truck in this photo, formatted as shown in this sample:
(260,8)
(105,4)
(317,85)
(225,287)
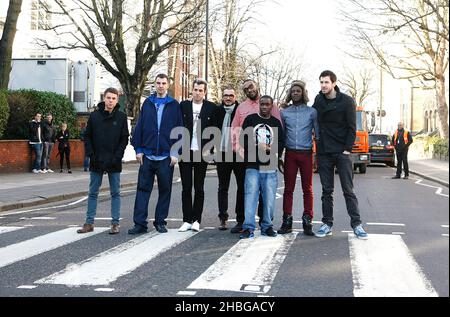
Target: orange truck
(360,151)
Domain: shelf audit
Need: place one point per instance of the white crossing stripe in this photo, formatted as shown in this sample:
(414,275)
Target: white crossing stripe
(26,286)
(9,229)
(37,218)
(108,266)
(186,293)
(104,289)
(249,266)
(29,248)
(382,266)
(385,224)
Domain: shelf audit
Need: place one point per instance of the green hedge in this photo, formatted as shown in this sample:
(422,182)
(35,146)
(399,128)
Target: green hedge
(4,111)
(23,105)
(441,148)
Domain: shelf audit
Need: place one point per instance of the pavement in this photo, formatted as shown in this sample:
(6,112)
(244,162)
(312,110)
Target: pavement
(21,190)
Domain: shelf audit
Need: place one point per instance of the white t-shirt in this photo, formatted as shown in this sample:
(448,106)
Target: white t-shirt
(196,108)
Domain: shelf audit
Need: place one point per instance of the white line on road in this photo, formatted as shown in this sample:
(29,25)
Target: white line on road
(445,234)
(26,249)
(104,289)
(398,233)
(44,208)
(27,286)
(278,196)
(383,267)
(386,224)
(9,229)
(444,226)
(186,293)
(107,218)
(37,218)
(249,266)
(108,266)
(438,189)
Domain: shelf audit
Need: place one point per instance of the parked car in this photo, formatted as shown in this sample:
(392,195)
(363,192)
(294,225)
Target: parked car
(381,150)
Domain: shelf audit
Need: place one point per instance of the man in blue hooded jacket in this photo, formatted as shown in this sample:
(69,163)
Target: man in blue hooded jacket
(152,141)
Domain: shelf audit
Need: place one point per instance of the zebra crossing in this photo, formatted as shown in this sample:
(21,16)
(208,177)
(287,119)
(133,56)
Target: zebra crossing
(381,266)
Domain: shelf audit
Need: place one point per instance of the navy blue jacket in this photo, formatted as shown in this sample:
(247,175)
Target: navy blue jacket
(147,138)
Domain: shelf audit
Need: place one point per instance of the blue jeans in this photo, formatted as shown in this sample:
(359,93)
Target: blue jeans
(147,172)
(37,149)
(267,183)
(48,146)
(114,188)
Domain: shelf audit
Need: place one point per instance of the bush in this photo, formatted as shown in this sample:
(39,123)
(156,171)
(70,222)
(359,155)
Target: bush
(23,105)
(4,111)
(441,148)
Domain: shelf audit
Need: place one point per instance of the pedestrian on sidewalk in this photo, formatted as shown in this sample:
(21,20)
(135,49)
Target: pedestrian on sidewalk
(336,114)
(199,114)
(152,141)
(105,141)
(299,122)
(35,140)
(262,139)
(49,133)
(64,147)
(227,163)
(402,139)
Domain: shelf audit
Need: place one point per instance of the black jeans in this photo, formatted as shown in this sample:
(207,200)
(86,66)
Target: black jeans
(327,164)
(192,212)
(62,152)
(402,159)
(224,171)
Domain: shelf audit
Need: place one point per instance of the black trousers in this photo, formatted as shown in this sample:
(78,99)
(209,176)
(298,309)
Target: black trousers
(224,171)
(62,152)
(192,174)
(344,164)
(402,159)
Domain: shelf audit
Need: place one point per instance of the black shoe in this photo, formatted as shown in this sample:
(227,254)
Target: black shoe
(70,172)
(406,177)
(395,177)
(286,226)
(223,225)
(269,232)
(237,228)
(307,225)
(61,171)
(137,230)
(161,228)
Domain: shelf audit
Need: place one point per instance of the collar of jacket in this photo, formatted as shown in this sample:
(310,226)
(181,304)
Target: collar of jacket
(338,93)
(101,109)
(153,98)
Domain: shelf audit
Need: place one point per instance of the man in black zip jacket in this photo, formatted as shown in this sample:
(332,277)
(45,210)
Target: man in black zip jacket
(336,113)
(105,141)
(35,140)
(49,133)
(226,163)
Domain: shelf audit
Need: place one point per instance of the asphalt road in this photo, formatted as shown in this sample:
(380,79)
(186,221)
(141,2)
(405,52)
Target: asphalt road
(403,213)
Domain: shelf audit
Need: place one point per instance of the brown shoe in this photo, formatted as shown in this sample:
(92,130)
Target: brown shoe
(114,229)
(223,225)
(86,228)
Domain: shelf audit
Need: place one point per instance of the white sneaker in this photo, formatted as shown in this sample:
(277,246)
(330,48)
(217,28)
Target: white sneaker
(185,227)
(35,171)
(195,226)
(42,171)
(49,171)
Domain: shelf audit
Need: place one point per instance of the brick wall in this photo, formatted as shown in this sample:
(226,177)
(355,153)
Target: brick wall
(15,156)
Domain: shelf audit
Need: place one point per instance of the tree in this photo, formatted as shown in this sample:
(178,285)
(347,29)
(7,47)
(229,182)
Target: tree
(7,41)
(127,36)
(409,39)
(358,85)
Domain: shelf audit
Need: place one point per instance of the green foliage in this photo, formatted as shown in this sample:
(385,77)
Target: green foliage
(24,104)
(441,148)
(4,111)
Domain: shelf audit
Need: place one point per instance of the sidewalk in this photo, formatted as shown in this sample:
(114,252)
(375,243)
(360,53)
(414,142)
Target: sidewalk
(21,190)
(431,169)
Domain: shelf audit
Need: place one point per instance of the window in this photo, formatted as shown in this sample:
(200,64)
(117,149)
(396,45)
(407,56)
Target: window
(40,18)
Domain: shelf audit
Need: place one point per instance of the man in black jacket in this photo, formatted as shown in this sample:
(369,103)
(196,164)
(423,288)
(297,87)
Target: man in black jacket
(336,114)
(49,133)
(35,141)
(105,141)
(198,114)
(226,163)
(401,140)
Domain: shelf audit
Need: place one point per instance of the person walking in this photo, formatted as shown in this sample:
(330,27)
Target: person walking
(299,122)
(228,164)
(105,140)
(266,136)
(198,115)
(336,113)
(152,141)
(35,140)
(49,133)
(64,147)
(401,140)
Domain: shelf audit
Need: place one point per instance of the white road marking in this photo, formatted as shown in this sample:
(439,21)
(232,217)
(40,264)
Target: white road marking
(278,196)
(9,229)
(108,266)
(445,234)
(37,218)
(45,208)
(249,266)
(444,226)
(313,222)
(385,224)
(382,266)
(186,293)
(26,249)
(106,218)
(398,233)
(27,286)
(438,189)
(104,289)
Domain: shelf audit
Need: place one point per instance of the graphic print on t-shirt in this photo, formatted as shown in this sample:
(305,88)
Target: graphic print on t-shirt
(263,133)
